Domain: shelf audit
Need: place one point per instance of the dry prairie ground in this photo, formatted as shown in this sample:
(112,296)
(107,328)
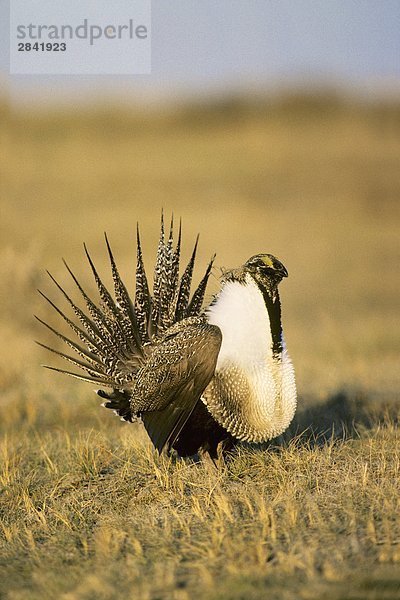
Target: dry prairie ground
(87,508)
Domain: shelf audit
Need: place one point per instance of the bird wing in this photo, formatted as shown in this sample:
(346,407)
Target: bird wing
(174,377)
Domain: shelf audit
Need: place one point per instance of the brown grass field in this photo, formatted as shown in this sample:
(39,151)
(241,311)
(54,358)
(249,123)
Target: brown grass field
(87,508)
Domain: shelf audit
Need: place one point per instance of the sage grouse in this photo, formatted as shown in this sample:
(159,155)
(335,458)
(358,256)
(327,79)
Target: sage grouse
(195,377)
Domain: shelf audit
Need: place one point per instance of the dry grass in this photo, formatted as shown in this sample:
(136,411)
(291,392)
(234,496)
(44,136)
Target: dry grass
(87,510)
(97,514)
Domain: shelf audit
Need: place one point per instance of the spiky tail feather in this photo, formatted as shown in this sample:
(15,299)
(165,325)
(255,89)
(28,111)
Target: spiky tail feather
(116,335)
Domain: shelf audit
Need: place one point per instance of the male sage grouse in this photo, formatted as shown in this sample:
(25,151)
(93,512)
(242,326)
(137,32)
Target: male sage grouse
(195,377)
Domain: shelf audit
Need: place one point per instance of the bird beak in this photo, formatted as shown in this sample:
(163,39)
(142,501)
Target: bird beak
(283,271)
(280,269)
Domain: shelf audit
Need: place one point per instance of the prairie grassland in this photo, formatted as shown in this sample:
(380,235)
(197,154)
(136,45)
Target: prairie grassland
(87,509)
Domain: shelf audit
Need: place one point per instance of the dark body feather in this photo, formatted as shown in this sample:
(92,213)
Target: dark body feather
(202,431)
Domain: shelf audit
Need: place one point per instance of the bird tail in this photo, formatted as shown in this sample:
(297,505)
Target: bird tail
(114,334)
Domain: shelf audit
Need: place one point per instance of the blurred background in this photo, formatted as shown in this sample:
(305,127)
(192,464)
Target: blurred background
(267,127)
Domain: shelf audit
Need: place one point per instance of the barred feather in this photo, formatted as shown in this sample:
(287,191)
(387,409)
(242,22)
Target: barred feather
(80,351)
(102,381)
(111,347)
(100,340)
(90,326)
(143,304)
(126,309)
(90,342)
(168,283)
(100,319)
(105,295)
(158,278)
(185,285)
(114,317)
(79,363)
(174,280)
(198,296)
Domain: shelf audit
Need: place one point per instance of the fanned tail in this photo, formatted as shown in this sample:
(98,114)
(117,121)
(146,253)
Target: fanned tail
(171,301)
(116,334)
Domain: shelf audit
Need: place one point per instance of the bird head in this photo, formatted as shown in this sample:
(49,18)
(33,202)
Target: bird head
(266,270)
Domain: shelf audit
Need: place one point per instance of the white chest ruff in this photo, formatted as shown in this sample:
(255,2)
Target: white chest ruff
(253,393)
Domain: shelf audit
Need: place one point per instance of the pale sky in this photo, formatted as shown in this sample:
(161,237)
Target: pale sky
(200,46)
